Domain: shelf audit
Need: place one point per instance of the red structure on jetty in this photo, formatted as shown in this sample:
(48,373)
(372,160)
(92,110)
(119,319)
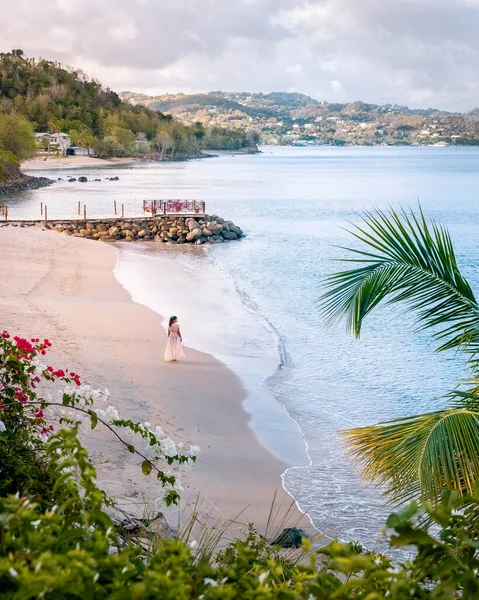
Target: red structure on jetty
(174,207)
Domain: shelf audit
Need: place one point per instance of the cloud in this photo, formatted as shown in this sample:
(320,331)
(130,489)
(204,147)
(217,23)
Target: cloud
(421,52)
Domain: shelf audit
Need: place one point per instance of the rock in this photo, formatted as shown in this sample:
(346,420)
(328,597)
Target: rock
(90,226)
(290,537)
(182,239)
(200,241)
(113,231)
(101,227)
(82,179)
(192,225)
(114,178)
(97,180)
(141,233)
(107,238)
(229,235)
(127,233)
(215,239)
(84,232)
(237,230)
(207,232)
(72,179)
(194,235)
(59,179)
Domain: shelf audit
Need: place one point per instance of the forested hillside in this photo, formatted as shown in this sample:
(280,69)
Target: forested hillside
(292,118)
(44,96)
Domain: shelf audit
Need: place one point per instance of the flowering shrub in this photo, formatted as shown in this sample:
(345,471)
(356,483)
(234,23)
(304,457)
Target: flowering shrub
(35,398)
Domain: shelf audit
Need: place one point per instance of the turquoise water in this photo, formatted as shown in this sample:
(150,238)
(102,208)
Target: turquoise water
(253,303)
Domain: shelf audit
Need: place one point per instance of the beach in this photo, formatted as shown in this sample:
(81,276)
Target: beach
(68,162)
(63,288)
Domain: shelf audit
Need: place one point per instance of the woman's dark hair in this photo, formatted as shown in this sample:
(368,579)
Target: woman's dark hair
(172,320)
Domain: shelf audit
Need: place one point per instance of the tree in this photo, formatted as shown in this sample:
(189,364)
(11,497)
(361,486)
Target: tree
(408,261)
(16,136)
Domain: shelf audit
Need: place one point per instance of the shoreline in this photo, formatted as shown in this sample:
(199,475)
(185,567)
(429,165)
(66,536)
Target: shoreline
(70,295)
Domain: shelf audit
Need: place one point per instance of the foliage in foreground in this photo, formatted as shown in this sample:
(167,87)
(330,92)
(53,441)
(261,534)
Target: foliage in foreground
(67,552)
(408,261)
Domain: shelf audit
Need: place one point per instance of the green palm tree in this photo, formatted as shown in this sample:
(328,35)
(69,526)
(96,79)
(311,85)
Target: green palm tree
(410,261)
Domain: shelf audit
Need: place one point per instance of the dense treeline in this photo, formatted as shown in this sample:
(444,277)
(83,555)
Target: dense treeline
(52,98)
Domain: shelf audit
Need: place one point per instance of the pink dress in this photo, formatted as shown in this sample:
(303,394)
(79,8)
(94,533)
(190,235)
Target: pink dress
(174,348)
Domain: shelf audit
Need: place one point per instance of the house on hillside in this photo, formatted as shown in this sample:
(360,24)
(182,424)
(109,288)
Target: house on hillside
(54,141)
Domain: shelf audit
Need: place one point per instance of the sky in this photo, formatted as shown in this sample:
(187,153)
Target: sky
(423,53)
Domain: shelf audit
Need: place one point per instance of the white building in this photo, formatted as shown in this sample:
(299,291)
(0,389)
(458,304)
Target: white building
(55,141)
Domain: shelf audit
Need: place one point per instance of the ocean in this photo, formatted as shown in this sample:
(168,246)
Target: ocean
(253,303)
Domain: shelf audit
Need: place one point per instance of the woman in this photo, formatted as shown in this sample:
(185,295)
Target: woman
(174,348)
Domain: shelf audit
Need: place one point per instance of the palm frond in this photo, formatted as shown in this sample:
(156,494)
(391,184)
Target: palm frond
(419,457)
(408,261)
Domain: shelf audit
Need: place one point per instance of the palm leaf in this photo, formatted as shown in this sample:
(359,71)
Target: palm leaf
(419,457)
(412,262)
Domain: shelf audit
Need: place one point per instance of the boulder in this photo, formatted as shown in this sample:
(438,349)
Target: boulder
(83,179)
(182,239)
(215,239)
(237,230)
(113,231)
(90,226)
(192,225)
(126,233)
(201,240)
(113,178)
(101,227)
(84,232)
(290,537)
(207,232)
(100,234)
(194,235)
(141,233)
(229,235)
(72,179)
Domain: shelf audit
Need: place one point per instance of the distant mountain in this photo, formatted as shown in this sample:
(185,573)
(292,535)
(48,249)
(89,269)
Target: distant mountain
(292,118)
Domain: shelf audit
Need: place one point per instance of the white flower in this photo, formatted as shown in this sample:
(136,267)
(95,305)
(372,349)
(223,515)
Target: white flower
(12,572)
(109,415)
(263,576)
(168,447)
(194,450)
(35,523)
(159,431)
(209,581)
(147,424)
(2,426)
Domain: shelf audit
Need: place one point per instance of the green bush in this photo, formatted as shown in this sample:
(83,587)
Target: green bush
(9,165)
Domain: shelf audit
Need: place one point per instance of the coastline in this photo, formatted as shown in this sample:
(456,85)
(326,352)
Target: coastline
(70,162)
(69,294)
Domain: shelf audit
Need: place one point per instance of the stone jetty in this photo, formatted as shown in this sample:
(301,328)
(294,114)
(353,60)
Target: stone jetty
(209,229)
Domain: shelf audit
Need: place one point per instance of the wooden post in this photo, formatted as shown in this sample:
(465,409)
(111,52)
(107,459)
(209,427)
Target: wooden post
(84,211)
(6,212)
(41,208)
(114,206)
(122,211)
(46,213)
(3,207)
(79,207)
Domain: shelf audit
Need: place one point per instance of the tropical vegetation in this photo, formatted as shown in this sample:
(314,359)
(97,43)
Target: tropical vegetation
(406,260)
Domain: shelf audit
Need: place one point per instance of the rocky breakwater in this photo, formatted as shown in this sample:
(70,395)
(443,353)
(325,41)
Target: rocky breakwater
(171,230)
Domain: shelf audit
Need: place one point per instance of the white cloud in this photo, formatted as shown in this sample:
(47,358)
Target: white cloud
(406,51)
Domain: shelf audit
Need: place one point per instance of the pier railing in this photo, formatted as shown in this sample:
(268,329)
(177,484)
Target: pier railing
(174,207)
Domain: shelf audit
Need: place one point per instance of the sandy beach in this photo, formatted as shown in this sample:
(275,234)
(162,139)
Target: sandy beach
(67,162)
(64,288)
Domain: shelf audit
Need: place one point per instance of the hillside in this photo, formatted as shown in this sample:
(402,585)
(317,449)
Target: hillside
(45,97)
(291,118)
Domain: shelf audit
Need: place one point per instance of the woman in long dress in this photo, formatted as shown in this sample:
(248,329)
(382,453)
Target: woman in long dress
(174,348)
